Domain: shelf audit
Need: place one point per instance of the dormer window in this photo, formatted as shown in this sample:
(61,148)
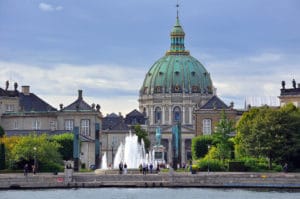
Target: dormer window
(161,73)
(193,73)
(177,72)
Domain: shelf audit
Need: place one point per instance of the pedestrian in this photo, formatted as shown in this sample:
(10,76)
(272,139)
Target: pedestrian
(157,168)
(125,168)
(25,169)
(120,168)
(151,167)
(285,167)
(144,168)
(33,169)
(141,168)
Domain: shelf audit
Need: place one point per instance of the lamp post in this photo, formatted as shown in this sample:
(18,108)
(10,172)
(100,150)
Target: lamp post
(208,147)
(35,160)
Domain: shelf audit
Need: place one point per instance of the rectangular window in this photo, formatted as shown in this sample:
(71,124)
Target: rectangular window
(53,125)
(207,127)
(36,125)
(9,108)
(16,124)
(69,125)
(85,127)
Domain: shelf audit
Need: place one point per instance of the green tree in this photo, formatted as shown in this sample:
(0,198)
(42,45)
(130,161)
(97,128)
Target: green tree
(142,135)
(46,152)
(200,146)
(271,133)
(221,137)
(66,145)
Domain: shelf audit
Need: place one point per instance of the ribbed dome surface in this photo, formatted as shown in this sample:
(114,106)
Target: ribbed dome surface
(177,74)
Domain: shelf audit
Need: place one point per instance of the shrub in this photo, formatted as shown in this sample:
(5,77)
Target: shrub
(50,167)
(199,146)
(255,164)
(213,165)
(236,166)
(278,168)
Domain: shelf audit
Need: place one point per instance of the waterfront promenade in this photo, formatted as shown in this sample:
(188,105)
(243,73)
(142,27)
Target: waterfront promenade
(168,179)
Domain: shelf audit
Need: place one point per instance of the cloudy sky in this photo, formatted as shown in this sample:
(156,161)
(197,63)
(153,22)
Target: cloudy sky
(106,47)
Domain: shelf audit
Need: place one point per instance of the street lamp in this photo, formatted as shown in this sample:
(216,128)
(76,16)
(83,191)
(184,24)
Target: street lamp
(35,160)
(208,147)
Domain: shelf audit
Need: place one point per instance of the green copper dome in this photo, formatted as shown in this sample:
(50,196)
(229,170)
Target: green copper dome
(177,71)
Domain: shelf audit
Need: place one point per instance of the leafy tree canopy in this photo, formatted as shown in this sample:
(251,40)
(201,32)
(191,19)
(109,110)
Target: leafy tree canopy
(142,135)
(271,133)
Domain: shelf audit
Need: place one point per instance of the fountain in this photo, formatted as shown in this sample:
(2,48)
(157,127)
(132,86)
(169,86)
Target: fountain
(104,161)
(131,152)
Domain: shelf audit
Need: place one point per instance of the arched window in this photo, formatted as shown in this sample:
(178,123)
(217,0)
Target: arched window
(157,115)
(176,114)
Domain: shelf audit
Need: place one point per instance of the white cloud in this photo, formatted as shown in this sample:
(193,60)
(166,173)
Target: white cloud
(49,8)
(114,87)
(256,75)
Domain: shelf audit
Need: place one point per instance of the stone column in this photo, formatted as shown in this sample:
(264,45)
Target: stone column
(183,156)
(163,114)
(170,115)
(190,115)
(151,115)
(183,115)
(170,151)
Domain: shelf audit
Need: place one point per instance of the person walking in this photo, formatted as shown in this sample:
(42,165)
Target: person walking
(285,167)
(151,167)
(26,169)
(125,168)
(120,168)
(144,168)
(33,169)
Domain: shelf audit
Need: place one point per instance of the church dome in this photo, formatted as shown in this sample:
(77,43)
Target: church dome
(177,71)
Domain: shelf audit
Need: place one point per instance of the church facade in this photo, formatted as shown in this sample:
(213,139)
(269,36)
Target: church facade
(174,89)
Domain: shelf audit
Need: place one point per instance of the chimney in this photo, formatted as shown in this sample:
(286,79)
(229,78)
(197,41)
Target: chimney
(231,105)
(26,90)
(80,94)
(6,85)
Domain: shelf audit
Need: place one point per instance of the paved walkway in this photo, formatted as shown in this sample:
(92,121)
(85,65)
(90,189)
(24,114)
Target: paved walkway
(180,179)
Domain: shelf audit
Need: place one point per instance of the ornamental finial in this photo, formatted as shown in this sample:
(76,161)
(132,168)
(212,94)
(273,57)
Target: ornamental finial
(177,6)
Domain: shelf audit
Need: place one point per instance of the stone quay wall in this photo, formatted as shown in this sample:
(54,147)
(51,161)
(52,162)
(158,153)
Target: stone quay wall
(172,179)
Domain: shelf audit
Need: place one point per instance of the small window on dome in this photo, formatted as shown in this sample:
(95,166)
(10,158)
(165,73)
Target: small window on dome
(145,89)
(161,73)
(177,89)
(193,73)
(149,74)
(195,89)
(177,72)
(158,89)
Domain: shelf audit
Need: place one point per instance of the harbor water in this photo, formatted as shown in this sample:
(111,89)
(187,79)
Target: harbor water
(150,193)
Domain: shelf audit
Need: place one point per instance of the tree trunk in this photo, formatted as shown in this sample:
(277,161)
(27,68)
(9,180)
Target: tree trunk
(270,162)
